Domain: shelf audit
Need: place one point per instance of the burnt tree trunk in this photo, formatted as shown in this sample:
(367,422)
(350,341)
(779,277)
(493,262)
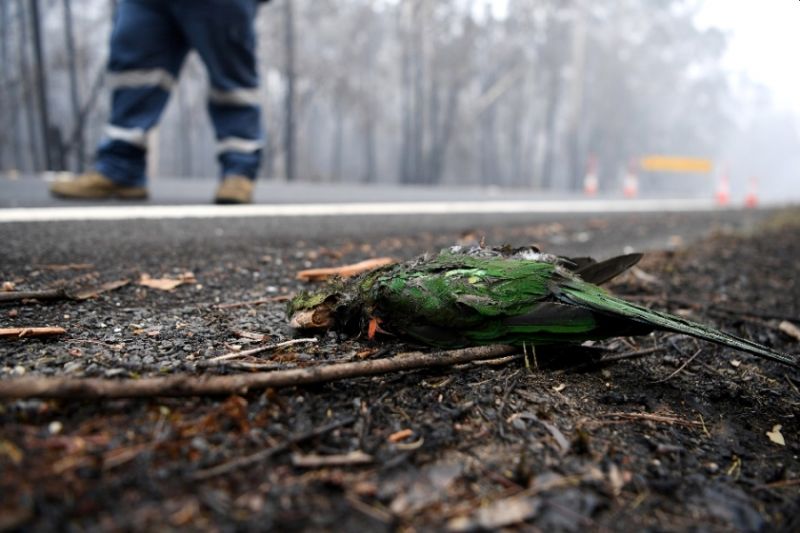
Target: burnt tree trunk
(74,94)
(26,87)
(50,135)
(290,73)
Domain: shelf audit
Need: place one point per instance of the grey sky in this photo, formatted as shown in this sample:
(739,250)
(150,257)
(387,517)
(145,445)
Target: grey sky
(764,42)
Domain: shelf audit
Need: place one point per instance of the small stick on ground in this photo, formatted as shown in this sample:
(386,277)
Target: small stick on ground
(615,358)
(191,385)
(63,294)
(68,266)
(678,370)
(261,301)
(16,296)
(18,333)
(261,349)
(653,418)
(499,361)
(263,455)
(630,355)
(345,271)
(786,483)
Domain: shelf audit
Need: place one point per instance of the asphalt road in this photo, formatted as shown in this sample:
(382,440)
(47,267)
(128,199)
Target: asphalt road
(178,220)
(31,191)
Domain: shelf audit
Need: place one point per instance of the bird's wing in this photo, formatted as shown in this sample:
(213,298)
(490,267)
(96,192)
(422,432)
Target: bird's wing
(460,291)
(603,271)
(463,300)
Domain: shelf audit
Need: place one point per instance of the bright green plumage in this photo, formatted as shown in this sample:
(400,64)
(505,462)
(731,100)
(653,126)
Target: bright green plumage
(490,296)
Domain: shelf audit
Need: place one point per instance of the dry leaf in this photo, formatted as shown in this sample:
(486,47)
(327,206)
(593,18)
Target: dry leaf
(790,329)
(91,292)
(776,436)
(30,332)
(345,271)
(560,387)
(166,284)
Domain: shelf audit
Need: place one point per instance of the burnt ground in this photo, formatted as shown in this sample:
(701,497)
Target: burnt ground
(673,440)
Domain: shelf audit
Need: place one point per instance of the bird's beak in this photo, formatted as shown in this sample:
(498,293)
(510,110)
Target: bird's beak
(319,318)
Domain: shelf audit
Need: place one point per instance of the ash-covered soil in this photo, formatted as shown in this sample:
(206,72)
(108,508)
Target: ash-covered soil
(668,439)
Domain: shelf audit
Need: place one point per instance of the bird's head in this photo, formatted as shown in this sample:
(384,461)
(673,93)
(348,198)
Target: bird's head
(314,310)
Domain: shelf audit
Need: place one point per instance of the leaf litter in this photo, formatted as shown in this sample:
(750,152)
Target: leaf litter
(610,449)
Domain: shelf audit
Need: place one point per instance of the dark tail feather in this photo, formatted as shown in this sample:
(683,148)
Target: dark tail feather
(599,300)
(599,273)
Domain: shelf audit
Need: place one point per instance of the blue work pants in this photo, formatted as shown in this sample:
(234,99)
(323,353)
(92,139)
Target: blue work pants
(149,43)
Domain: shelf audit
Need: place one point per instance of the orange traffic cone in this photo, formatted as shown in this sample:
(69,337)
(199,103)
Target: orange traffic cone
(751,199)
(590,181)
(630,183)
(723,190)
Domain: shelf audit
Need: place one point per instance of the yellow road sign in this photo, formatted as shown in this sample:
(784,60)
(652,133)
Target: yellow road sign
(667,163)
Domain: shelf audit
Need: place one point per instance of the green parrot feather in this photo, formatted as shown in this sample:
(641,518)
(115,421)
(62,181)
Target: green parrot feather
(485,296)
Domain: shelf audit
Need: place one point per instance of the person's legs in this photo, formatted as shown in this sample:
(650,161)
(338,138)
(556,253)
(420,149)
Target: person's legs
(223,33)
(147,51)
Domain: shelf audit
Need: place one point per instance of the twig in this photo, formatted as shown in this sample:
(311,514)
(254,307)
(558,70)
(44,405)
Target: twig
(30,332)
(779,484)
(257,457)
(630,355)
(67,266)
(232,305)
(615,358)
(243,365)
(62,294)
(260,349)
(345,271)
(653,418)
(678,370)
(737,313)
(499,361)
(188,385)
(15,296)
(248,335)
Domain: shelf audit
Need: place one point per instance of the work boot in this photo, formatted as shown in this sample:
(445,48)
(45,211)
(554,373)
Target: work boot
(94,185)
(235,190)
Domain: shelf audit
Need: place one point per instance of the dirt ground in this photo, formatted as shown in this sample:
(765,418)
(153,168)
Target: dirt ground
(673,439)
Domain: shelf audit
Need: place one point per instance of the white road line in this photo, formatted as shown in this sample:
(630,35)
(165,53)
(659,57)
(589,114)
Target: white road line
(133,212)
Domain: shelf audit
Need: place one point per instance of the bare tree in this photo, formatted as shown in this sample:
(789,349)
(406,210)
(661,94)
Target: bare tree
(75,99)
(33,139)
(289,119)
(51,136)
(412,91)
(5,85)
